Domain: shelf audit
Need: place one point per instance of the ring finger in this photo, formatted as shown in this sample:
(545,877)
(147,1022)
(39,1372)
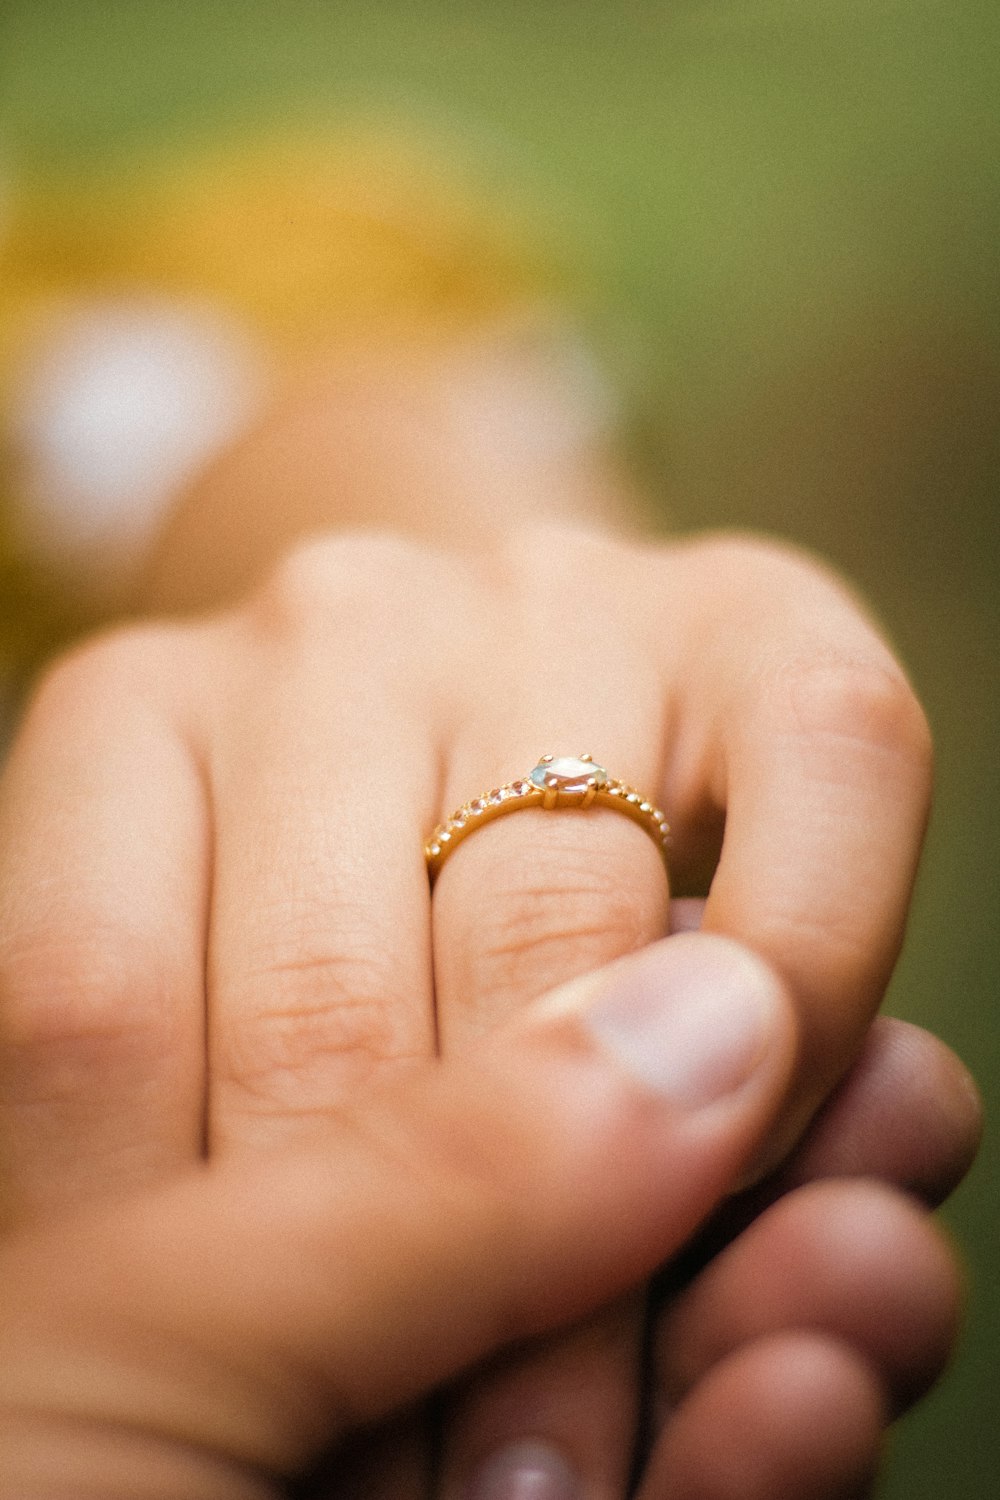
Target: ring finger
(528,903)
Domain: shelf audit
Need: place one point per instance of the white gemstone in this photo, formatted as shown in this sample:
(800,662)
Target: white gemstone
(567,773)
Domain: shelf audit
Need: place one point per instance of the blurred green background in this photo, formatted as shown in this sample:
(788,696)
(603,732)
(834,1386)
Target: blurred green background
(787,215)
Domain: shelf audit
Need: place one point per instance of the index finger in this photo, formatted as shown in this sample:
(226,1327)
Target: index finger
(814,745)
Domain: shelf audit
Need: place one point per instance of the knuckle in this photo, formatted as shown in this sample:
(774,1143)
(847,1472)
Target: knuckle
(563,560)
(97,674)
(70,1008)
(863,700)
(566,913)
(834,692)
(338,580)
(833,944)
(774,584)
(757,561)
(736,561)
(321,1019)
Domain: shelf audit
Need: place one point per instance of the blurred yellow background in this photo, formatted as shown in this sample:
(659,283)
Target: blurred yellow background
(779,221)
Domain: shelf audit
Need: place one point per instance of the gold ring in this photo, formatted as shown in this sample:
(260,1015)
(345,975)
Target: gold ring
(558,781)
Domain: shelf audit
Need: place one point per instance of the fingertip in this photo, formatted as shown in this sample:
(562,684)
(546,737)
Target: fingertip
(697,1019)
(855,1260)
(909,1112)
(796,1415)
(947,1103)
(686,914)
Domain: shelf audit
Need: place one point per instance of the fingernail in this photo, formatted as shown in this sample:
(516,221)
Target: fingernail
(524,1471)
(691,1018)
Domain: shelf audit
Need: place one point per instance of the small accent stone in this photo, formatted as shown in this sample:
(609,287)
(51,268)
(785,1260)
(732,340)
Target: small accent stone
(566,773)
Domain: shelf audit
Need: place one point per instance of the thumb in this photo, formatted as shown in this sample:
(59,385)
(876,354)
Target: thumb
(251,1316)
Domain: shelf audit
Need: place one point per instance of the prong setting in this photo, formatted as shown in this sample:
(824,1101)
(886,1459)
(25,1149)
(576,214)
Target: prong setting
(556,783)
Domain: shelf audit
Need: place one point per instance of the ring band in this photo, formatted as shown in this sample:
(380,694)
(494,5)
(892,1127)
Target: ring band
(555,782)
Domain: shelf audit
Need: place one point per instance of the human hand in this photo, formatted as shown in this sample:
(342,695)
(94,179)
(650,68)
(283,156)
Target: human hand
(212,1336)
(818,1257)
(246,799)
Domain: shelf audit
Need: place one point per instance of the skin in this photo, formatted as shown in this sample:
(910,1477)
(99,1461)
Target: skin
(181,979)
(192,1340)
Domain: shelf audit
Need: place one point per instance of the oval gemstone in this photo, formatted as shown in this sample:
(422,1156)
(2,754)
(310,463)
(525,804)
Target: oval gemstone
(567,773)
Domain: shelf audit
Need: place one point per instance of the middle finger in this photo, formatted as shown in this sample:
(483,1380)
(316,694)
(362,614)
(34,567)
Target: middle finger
(322,775)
